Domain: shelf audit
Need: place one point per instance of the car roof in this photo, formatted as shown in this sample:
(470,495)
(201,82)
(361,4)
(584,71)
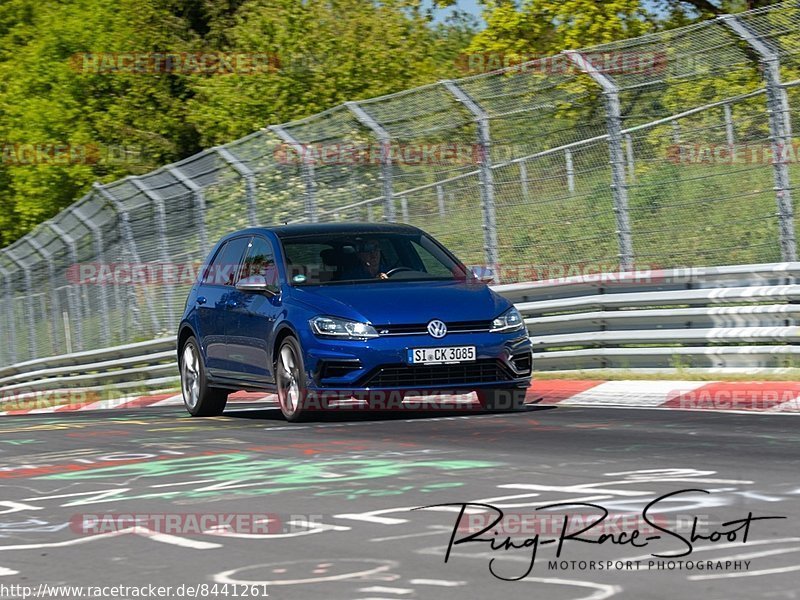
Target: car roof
(302,229)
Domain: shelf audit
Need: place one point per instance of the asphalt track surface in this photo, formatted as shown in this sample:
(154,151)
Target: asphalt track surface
(338,494)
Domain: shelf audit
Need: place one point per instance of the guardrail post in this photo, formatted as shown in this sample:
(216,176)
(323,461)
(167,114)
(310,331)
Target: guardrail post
(570,171)
(199,206)
(249,181)
(55,310)
(630,160)
(97,240)
(385,141)
(729,134)
(619,186)
(676,132)
(440,201)
(486,176)
(74,307)
(161,228)
(780,131)
(523,179)
(307,166)
(32,345)
(11,343)
(130,242)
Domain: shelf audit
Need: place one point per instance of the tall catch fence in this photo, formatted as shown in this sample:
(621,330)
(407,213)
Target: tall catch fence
(669,150)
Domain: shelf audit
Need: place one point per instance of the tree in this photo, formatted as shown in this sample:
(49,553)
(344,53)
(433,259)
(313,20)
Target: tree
(51,94)
(112,124)
(545,27)
(325,52)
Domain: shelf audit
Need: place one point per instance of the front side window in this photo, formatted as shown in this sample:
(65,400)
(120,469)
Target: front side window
(317,259)
(224,267)
(260,262)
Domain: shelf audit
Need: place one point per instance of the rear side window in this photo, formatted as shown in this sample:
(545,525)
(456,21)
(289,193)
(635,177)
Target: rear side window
(223,269)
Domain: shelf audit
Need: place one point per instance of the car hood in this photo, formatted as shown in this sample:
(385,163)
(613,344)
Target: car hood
(403,303)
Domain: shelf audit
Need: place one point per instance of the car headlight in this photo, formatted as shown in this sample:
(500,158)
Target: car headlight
(341,328)
(510,320)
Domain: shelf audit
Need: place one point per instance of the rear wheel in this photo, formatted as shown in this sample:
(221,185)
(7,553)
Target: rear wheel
(200,399)
(291,380)
(503,399)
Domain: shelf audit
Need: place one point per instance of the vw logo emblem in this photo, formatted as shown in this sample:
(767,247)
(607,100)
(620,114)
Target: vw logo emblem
(437,329)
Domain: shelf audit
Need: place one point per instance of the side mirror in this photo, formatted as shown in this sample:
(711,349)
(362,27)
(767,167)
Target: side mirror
(256,284)
(483,274)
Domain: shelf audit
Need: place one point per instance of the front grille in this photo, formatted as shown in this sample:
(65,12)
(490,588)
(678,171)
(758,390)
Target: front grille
(409,376)
(422,328)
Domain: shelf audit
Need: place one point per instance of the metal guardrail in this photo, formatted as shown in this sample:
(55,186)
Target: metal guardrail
(743,317)
(143,365)
(739,318)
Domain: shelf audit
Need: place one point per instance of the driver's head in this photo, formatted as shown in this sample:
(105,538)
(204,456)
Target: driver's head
(369,254)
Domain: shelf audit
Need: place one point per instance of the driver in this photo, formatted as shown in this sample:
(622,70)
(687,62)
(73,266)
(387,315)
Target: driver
(370,262)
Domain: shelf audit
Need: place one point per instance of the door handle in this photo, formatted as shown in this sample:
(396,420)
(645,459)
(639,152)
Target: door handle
(201,300)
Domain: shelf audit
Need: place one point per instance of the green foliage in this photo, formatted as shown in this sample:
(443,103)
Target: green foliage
(550,26)
(323,53)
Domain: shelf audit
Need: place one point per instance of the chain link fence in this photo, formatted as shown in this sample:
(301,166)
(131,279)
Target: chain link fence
(673,149)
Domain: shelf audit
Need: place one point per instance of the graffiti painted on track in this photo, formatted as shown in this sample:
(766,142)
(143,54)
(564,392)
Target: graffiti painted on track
(248,474)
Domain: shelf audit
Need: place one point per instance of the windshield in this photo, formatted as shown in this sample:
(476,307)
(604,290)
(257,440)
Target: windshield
(318,259)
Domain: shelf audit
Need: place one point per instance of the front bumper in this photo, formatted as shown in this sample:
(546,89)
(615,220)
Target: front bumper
(380,364)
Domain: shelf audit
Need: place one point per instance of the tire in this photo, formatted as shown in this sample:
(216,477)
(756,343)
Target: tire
(503,399)
(290,376)
(200,399)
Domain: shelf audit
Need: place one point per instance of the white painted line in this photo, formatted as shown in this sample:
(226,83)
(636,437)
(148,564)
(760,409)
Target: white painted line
(312,529)
(171,401)
(379,589)
(745,573)
(438,531)
(166,538)
(788,406)
(633,393)
(47,409)
(229,576)
(696,410)
(439,582)
(712,547)
(751,555)
(4,571)
(108,404)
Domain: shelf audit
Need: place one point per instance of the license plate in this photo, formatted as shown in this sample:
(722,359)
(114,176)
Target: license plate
(456,354)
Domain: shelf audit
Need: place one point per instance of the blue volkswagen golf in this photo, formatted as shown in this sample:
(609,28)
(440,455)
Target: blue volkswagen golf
(346,310)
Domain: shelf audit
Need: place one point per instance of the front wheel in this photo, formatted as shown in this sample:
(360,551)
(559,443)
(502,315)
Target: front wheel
(291,380)
(200,399)
(503,399)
